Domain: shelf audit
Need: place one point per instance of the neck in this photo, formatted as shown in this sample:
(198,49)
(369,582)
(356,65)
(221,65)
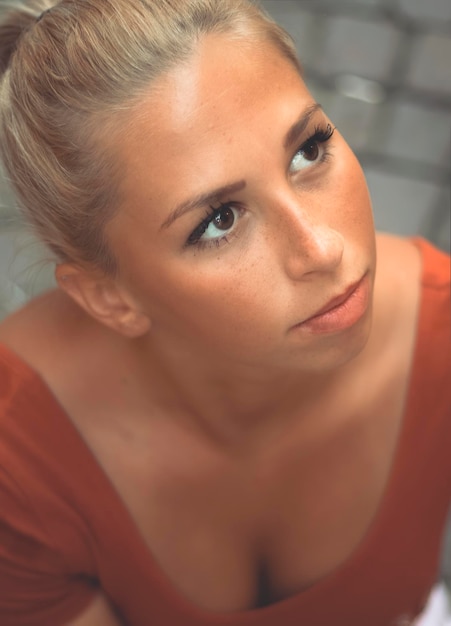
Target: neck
(233,404)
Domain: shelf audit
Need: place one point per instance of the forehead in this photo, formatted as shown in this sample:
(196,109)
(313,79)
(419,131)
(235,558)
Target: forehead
(197,120)
(222,74)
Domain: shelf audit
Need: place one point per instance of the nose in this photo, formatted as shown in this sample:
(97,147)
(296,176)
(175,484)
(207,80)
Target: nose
(308,243)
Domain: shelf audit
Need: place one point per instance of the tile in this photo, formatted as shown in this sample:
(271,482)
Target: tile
(430,65)
(11,295)
(442,234)
(358,3)
(25,270)
(361,47)
(419,133)
(365,2)
(337,44)
(7,202)
(438,223)
(307,28)
(353,118)
(401,206)
(426,9)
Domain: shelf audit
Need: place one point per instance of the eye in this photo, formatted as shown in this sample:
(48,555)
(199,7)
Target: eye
(216,226)
(223,220)
(313,150)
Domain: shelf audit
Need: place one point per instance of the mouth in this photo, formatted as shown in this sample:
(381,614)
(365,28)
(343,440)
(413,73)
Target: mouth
(342,311)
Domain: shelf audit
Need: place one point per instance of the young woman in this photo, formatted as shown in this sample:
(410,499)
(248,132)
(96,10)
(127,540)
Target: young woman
(225,414)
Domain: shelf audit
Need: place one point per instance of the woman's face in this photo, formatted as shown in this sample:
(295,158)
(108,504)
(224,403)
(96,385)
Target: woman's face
(244,214)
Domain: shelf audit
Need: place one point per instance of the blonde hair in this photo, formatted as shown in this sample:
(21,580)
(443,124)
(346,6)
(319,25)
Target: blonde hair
(70,70)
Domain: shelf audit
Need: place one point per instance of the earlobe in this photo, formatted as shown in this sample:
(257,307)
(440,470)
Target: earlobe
(103,300)
(132,324)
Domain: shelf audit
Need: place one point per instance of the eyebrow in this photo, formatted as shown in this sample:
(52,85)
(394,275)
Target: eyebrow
(203,199)
(210,197)
(298,127)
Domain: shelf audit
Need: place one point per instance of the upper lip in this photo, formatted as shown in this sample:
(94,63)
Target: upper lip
(332,304)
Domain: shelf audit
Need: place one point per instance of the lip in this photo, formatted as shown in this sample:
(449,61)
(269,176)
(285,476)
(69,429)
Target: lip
(341,312)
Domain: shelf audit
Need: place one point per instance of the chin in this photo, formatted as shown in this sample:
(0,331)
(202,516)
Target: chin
(352,343)
(331,351)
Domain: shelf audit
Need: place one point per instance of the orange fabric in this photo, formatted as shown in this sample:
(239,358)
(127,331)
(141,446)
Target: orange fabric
(64,531)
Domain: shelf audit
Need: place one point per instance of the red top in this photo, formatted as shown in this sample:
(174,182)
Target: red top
(64,531)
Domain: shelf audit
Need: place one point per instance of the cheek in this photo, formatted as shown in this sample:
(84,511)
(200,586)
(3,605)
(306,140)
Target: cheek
(219,301)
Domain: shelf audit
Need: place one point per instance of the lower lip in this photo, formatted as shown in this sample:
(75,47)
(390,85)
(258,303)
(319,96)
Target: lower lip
(342,316)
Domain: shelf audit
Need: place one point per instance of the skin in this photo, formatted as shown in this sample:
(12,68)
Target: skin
(223,313)
(244,449)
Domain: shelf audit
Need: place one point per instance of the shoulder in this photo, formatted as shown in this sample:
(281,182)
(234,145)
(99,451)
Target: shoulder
(414,259)
(411,327)
(397,289)
(412,273)
(48,519)
(412,283)
(399,257)
(34,430)
(36,560)
(414,280)
(39,446)
(37,331)
(436,266)
(60,343)
(35,582)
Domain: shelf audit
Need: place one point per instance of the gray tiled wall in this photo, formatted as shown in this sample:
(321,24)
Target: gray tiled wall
(382,70)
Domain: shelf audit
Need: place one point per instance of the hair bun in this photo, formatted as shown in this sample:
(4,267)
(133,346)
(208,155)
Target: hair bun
(15,20)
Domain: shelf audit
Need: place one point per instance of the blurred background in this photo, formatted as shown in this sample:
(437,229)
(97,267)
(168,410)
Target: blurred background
(382,71)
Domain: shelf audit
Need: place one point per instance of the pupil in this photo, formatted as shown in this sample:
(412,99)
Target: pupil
(311,151)
(225,219)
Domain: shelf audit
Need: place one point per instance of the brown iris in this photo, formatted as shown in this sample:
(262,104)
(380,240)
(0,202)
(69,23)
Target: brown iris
(224,219)
(311,151)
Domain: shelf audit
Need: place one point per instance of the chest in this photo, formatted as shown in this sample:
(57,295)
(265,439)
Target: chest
(233,536)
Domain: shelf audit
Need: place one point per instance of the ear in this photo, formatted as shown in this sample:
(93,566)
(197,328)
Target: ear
(103,299)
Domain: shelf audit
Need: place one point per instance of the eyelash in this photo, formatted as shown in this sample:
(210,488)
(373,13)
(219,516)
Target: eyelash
(320,136)
(195,238)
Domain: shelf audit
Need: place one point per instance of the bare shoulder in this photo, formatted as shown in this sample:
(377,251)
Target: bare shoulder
(399,268)
(398,256)
(41,330)
(397,288)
